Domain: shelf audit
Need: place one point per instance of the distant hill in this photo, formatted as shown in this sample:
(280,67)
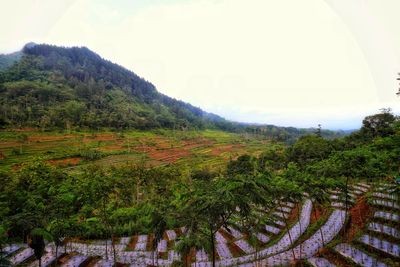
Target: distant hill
(57,87)
(7,60)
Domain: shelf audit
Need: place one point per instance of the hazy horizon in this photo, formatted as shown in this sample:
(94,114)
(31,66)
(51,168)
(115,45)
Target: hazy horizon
(284,63)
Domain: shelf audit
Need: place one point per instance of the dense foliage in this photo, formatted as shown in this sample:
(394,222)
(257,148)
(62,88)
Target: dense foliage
(109,201)
(66,87)
(70,88)
(7,60)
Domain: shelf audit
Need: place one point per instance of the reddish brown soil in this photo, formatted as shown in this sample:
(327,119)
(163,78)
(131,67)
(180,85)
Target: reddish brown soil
(163,150)
(200,142)
(2,156)
(65,162)
(143,148)
(26,129)
(49,138)
(9,144)
(358,217)
(150,242)
(169,155)
(178,231)
(318,212)
(216,151)
(111,148)
(294,213)
(17,166)
(99,137)
(192,256)
(132,243)
(235,250)
(118,264)
(64,258)
(227,235)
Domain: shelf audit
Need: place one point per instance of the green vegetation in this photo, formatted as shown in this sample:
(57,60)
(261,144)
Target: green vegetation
(90,150)
(8,60)
(73,150)
(104,201)
(51,87)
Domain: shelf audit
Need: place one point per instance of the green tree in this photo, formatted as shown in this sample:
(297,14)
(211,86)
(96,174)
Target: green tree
(244,164)
(37,243)
(3,242)
(158,225)
(309,149)
(379,124)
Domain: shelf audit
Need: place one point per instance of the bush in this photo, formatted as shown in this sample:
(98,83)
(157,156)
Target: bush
(91,154)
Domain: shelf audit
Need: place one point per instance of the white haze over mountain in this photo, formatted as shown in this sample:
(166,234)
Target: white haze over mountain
(286,62)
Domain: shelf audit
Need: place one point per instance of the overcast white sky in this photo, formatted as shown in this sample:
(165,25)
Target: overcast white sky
(286,62)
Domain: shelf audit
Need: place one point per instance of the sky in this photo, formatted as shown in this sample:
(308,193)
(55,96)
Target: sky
(287,62)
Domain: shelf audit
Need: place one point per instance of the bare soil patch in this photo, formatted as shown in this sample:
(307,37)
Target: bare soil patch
(115,147)
(317,212)
(359,214)
(65,162)
(294,214)
(99,137)
(218,150)
(50,138)
(169,155)
(132,243)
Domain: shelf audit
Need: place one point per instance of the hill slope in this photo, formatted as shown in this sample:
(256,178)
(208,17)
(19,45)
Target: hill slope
(65,87)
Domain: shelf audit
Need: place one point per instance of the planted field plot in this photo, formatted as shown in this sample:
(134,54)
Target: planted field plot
(387,216)
(309,247)
(320,262)
(8,250)
(291,242)
(232,248)
(21,256)
(385,229)
(375,246)
(381,244)
(71,150)
(358,256)
(75,261)
(282,244)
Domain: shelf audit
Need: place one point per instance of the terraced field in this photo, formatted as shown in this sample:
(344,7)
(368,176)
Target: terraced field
(347,237)
(71,150)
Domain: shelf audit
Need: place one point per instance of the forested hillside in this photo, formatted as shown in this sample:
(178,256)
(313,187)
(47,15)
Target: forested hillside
(74,87)
(52,87)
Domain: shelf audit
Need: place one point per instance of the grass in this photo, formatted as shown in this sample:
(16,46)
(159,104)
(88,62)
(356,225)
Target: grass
(207,148)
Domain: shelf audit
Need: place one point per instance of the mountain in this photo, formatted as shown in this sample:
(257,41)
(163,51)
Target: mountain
(57,87)
(52,86)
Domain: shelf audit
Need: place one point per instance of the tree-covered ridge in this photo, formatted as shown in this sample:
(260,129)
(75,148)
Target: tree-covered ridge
(56,87)
(65,87)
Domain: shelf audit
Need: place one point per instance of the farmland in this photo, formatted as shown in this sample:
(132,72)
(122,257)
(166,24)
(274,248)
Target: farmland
(71,150)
